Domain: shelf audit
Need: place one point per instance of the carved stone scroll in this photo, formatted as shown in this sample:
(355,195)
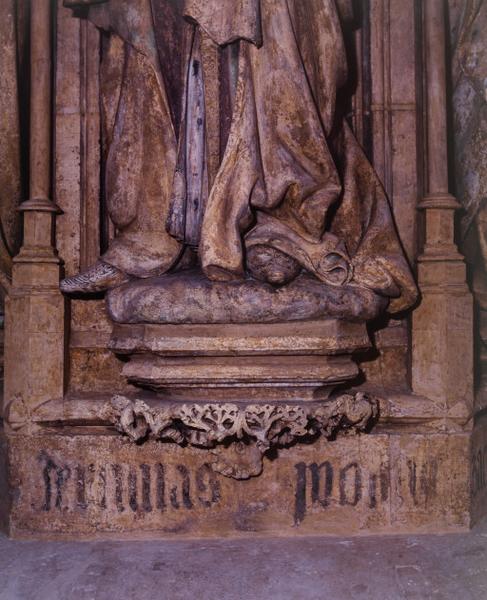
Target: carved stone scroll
(244,431)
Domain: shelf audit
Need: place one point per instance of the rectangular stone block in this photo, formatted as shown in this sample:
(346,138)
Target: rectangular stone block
(34,353)
(93,485)
(442,350)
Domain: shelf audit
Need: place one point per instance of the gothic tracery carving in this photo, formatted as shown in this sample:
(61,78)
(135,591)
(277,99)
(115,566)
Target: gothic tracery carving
(248,431)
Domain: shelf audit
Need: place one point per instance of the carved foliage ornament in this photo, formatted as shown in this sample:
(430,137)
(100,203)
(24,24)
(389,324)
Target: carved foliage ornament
(240,435)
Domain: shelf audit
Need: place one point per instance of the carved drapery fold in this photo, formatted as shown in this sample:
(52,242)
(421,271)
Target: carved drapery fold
(293,181)
(468,20)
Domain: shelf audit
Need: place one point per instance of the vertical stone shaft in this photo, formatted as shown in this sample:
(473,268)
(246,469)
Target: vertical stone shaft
(40,108)
(442,353)
(435,68)
(34,331)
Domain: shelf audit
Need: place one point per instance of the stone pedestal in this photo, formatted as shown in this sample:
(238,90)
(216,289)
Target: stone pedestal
(260,362)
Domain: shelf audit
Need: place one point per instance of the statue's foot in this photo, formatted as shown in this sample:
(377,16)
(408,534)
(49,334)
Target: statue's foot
(98,278)
(270,265)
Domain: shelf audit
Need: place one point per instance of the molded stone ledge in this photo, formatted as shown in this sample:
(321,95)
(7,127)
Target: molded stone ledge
(316,337)
(396,410)
(238,362)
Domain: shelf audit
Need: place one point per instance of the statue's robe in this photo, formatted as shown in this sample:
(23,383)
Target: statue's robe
(469,100)
(292,175)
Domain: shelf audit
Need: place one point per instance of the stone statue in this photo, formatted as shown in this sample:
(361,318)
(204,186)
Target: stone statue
(293,196)
(469,79)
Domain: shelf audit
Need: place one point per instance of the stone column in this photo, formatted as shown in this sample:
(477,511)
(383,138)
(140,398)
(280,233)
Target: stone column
(34,334)
(442,335)
(10,155)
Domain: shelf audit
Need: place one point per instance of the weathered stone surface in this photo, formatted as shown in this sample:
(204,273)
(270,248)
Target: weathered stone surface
(77,149)
(394,104)
(71,475)
(469,83)
(239,378)
(35,309)
(442,324)
(95,370)
(190,297)
(478,470)
(94,484)
(35,332)
(469,73)
(293,190)
(327,336)
(11,16)
(238,361)
(4,484)
(448,383)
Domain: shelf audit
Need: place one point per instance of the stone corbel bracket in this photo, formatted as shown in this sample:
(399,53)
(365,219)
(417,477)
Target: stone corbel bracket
(239,435)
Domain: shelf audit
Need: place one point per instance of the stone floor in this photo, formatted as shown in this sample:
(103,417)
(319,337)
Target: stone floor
(385,568)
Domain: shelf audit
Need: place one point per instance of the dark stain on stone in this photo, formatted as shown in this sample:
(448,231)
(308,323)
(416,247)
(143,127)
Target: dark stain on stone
(384,484)
(160,487)
(412,480)
(300,493)
(316,480)
(146,488)
(117,473)
(185,486)
(428,480)
(132,483)
(373,491)
(245,514)
(206,478)
(357,485)
(103,480)
(81,487)
(62,474)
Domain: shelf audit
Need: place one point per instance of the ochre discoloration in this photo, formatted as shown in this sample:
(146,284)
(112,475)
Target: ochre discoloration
(292,177)
(96,484)
(250,142)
